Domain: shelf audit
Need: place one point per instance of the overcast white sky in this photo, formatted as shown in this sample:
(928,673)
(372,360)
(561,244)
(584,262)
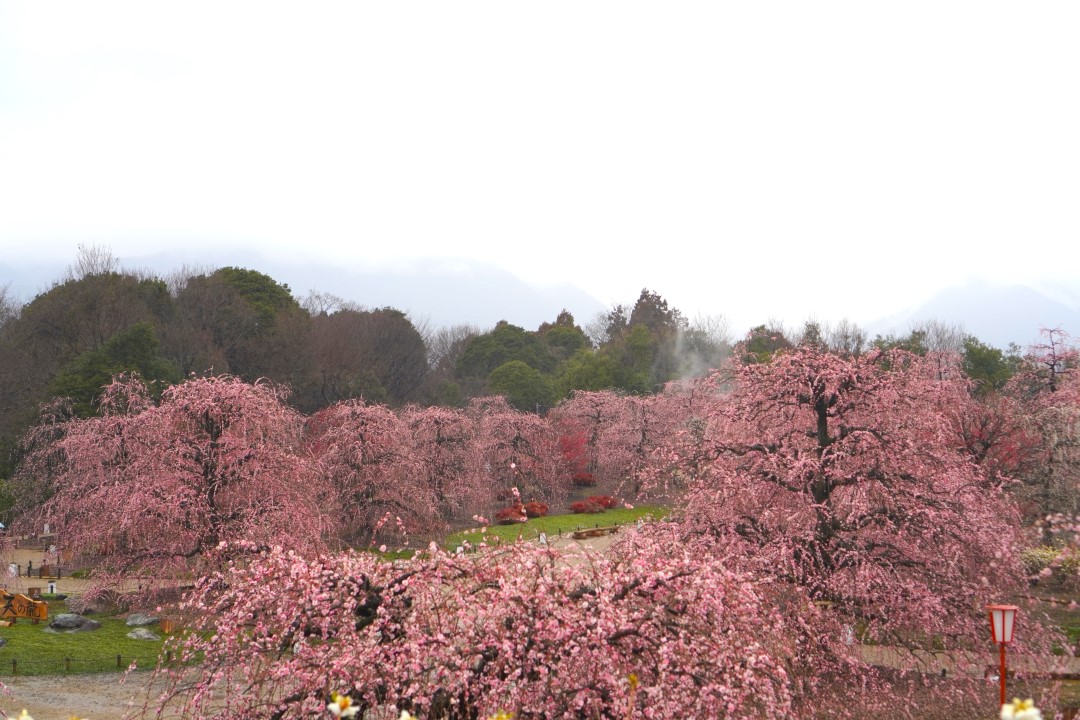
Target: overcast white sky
(754,158)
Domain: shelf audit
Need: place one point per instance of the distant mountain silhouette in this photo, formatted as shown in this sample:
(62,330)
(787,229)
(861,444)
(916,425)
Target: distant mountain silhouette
(446,292)
(997,315)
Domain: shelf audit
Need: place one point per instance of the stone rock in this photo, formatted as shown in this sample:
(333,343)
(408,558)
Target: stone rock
(141,620)
(142,634)
(73,623)
(67,621)
(3,642)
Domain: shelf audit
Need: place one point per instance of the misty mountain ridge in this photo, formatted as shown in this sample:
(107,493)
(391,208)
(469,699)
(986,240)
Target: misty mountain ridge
(446,292)
(996,314)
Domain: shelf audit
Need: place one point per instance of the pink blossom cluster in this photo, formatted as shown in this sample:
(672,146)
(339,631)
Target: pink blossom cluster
(461,636)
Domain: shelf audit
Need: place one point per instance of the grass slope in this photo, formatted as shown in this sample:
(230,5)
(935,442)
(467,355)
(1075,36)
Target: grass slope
(554,525)
(37,651)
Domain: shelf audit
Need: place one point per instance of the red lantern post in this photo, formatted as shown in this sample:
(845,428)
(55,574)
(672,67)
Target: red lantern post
(1002,620)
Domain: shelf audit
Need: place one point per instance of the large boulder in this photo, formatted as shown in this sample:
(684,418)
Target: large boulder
(73,623)
(142,634)
(141,620)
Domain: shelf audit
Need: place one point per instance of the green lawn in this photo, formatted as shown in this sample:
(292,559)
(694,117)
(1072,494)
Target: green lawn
(30,650)
(553,525)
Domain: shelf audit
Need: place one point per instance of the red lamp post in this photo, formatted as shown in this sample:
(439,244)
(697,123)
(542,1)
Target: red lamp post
(1002,620)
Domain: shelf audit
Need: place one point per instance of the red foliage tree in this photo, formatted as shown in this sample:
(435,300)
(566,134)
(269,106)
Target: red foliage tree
(535,509)
(155,489)
(586,506)
(604,501)
(582,420)
(996,432)
(512,515)
(574,449)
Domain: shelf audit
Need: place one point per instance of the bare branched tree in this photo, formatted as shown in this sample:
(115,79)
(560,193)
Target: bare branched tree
(846,338)
(703,345)
(92,260)
(178,279)
(9,307)
(446,343)
(320,303)
(941,337)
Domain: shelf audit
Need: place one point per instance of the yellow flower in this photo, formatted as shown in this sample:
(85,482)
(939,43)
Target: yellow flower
(25,715)
(502,715)
(342,706)
(1020,710)
(632,677)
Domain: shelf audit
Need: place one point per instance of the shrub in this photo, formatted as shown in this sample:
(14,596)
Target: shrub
(1038,558)
(1070,563)
(511,515)
(583,479)
(586,506)
(604,501)
(535,509)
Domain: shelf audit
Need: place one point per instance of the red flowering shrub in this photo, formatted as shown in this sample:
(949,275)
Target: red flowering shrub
(583,479)
(604,501)
(535,509)
(586,506)
(511,515)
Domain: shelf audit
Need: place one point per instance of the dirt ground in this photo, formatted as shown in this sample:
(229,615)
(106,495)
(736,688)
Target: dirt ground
(105,696)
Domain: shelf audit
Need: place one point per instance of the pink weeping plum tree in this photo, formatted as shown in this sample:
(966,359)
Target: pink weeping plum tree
(842,478)
(614,437)
(158,490)
(519,450)
(443,443)
(364,452)
(1046,395)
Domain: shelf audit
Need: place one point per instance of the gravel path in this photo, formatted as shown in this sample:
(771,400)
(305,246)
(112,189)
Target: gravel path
(103,696)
